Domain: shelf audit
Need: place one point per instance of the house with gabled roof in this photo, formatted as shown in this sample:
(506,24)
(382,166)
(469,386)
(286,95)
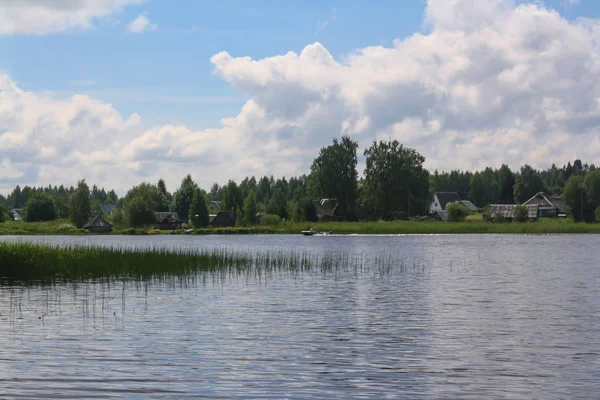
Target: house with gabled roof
(441,200)
(326,210)
(167,220)
(549,206)
(98,224)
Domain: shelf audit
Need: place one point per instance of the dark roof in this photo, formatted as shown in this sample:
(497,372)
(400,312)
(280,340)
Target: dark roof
(447,197)
(223,218)
(546,201)
(326,207)
(470,206)
(96,221)
(166,217)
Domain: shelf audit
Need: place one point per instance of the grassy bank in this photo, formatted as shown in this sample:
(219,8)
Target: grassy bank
(25,262)
(64,227)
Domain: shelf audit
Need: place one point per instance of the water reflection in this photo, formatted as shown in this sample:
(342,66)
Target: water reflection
(455,317)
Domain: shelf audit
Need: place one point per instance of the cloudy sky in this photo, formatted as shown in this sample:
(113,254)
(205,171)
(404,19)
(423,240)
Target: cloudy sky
(124,91)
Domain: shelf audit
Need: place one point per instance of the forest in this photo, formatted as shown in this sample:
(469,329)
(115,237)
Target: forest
(394,185)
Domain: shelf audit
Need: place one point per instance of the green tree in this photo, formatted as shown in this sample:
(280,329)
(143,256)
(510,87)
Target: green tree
(250,209)
(39,207)
(597,214)
(592,184)
(232,197)
(199,209)
(575,195)
(183,197)
(3,213)
(141,202)
(527,184)
(457,212)
(334,175)
(395,180)
(79,204)
(506,178)
(477,192)
(278,204)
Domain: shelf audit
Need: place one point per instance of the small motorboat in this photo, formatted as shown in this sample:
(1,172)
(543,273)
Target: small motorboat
(310,232)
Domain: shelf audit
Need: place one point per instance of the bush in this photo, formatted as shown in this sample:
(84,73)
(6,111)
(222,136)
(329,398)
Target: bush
(270,220)
(457,212)
(521,213)
(40,208)
(598,214)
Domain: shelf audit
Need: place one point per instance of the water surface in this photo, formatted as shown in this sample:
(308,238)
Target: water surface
(456,316)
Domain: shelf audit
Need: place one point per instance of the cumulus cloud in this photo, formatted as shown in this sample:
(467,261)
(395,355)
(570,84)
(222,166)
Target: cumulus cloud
(44,16)
(141,24)
(491,83)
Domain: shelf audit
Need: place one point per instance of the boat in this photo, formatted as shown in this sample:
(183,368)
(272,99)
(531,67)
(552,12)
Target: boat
(188,231)
(310,232)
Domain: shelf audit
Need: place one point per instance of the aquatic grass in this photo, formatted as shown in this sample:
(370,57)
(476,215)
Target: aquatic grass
(29,262)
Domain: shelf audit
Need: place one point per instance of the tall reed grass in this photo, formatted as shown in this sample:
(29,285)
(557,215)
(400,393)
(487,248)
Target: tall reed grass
(25,262)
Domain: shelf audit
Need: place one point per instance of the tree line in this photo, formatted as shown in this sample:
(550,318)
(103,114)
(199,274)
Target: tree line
(394,185)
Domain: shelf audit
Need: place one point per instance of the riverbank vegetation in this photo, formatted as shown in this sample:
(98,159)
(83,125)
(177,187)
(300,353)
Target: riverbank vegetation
(24,262)
(394,187)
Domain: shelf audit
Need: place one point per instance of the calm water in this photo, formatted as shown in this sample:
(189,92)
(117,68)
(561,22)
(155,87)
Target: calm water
(467,316)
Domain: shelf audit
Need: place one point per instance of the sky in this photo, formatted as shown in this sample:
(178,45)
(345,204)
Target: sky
(124,91)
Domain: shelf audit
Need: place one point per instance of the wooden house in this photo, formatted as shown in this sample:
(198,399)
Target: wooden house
(326,210)
(167,220)
(223,219)
(549,206)
(98,225)
(441,200)
(507,211)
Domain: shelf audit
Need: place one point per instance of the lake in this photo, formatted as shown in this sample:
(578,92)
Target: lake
(456,316)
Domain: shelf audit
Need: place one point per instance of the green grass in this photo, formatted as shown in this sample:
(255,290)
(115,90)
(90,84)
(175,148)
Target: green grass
(25,262)
(474,224)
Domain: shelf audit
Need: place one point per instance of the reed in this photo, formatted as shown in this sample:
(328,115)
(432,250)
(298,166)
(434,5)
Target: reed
(26,262)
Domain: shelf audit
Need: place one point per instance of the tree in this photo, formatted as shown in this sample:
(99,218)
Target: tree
(575,195)
(395,180)
(141,201)
(457,212)
(597,214)
(592,184)
(3,213)
(40,207)
(334,175)
(183,197)
(79,205)
(527,184)
(506,178)
(477,192)
(278,204)
(232,197)
(199,209)
(250,209)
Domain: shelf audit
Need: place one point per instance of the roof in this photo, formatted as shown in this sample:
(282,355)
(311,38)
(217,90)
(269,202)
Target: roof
(326,207)
(223,218)
(166,217)
(546,201)
(447,197)
(96,221)
(508,210)
(470,206)
(107,208)
(216,204)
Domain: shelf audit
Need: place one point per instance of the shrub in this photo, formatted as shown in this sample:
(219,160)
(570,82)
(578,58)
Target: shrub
(457,212)
(270,220)
(598,214)
(40,208)
(521,213)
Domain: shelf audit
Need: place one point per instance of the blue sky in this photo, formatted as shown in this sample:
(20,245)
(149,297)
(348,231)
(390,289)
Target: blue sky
(210,86)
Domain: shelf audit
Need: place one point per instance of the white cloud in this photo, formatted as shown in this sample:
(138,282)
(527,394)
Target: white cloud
(488,85)
(45,16)
(141,24)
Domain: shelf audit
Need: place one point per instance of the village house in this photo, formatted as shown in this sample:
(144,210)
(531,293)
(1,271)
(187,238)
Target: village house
(441,200)
(17,214)
(98,224)
(222,219)
(167,220)
(326,210)
(508,211)
(549,206)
